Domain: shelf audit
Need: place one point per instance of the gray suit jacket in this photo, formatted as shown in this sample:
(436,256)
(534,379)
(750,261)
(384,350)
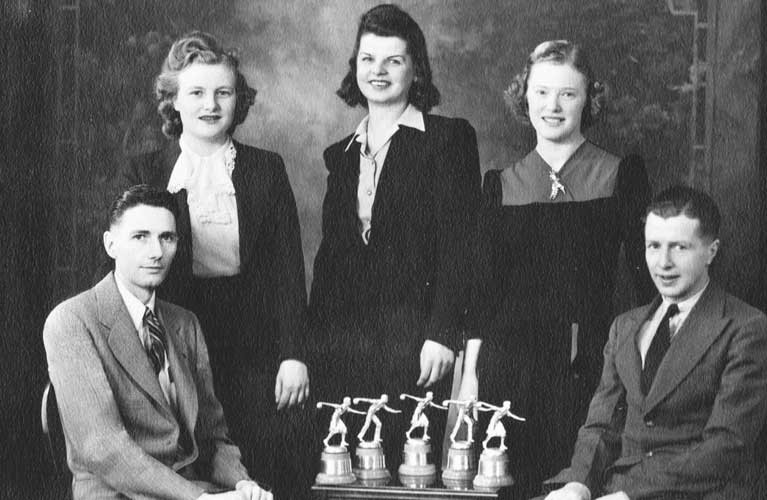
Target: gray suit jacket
(122,436)
(694,434)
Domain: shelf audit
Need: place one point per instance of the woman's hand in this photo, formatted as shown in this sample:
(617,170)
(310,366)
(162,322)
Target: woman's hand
(292,384)
(436,362)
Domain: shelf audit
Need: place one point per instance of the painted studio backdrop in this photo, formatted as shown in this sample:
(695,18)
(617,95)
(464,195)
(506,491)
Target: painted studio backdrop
(684,79)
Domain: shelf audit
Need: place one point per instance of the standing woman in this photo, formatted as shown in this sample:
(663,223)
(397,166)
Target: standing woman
(550,231)
(388,293)
(239,265)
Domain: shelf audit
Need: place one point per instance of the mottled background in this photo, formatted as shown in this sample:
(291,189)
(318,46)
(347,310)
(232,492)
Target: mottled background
(75,90)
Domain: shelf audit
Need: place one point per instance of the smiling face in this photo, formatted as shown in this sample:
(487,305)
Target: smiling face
(677,257)
(385,70)
(142,243)
(556,96)
(206,101)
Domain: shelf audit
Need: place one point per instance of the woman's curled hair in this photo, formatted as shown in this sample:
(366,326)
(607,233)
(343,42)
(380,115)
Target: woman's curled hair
(197,47)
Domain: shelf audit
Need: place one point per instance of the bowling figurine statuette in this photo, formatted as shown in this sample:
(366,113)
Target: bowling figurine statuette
(335,464)
(493,463)
(371,465)
(461,461)
(417,470)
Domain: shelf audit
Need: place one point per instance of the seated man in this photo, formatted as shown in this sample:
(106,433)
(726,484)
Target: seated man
(131,375)
(683,394)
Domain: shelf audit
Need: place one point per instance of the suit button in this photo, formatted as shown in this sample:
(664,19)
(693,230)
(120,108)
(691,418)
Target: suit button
(650,423)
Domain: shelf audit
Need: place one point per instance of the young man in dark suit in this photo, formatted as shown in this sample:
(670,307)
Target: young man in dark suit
(683,397)
(132,378)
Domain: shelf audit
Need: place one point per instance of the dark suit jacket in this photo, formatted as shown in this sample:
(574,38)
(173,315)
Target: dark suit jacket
(270,245)
(694,434)
(121,434)
(427,196)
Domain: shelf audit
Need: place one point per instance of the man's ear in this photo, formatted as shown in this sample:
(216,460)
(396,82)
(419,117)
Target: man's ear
(713,248)
(109,243)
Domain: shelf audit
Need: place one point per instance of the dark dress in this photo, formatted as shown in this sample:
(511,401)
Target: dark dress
(544,293)
(252,321)
(373,306)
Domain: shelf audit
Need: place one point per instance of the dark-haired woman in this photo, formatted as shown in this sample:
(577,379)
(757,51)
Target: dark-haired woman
(550,231)
(388,291)
(239,265)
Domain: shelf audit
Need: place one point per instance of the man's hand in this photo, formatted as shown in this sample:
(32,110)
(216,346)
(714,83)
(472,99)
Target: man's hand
(252,491)
(615,496)
(292,384)
(570,491)
(226,495)
(436,362)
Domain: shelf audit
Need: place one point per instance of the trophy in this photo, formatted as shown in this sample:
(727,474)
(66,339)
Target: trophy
(461,462)
(493,463)
(371,464)
(335,464)
(416,470)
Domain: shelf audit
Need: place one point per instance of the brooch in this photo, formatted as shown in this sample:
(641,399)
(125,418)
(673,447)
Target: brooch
(556,185)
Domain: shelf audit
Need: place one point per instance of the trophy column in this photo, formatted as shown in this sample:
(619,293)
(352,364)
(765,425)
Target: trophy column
(493,463)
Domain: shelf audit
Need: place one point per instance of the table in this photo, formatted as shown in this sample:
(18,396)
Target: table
(358,492)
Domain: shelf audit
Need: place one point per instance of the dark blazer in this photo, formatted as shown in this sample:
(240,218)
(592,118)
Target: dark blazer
(427,197)
(122,436)
(270,243)
(694,434)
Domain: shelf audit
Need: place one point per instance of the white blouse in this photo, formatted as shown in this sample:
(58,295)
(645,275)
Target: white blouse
(212,208)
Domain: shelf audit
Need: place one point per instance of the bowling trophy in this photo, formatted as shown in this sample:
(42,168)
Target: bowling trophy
(335,464)
(461,462)
(417,470)
(371,464)
(493,462)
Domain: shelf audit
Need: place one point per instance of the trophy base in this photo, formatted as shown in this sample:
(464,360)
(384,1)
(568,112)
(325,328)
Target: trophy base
(371,465)
(461,467)
(493,471)
(335,466)
(416,471)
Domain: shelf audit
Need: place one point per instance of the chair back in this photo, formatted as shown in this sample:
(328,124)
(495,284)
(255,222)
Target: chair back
(51,425)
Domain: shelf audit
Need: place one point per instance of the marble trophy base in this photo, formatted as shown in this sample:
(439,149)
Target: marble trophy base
(416,470)
(461,466)
(493,472)
(335,466)
(371,465)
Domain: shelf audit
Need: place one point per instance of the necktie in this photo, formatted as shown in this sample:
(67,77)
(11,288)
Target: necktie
(658,347)
(156,347)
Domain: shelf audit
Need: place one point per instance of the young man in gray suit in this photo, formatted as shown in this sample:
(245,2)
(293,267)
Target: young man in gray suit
(132,378)
(683,394)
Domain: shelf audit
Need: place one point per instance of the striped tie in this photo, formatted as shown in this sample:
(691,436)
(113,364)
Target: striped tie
(156,347)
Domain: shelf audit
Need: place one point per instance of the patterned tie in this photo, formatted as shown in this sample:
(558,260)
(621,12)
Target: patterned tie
(658,347)
(156,347)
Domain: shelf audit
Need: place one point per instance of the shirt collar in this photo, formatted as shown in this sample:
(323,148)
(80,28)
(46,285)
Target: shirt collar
(186,173)
(411,117)
(686,305)
(135,307)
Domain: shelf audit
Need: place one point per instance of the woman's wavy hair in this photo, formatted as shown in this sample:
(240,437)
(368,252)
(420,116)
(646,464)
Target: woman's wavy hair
(559,52)
(198,48)
(390,20)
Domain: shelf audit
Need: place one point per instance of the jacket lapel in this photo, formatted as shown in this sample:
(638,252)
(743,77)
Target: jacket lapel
(186,393)
(348,173)
(252,194)
(125,344)
(703,325)
(396,184)
(628,359)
